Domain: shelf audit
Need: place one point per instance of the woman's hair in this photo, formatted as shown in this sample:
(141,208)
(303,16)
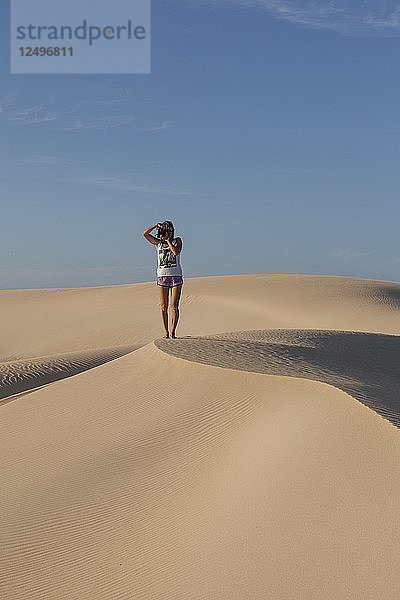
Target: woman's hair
(167,226)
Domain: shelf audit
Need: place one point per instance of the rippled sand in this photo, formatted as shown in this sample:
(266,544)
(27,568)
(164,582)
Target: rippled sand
(257,456)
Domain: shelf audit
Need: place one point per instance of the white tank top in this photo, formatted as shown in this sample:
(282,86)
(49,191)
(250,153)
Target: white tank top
(168,263)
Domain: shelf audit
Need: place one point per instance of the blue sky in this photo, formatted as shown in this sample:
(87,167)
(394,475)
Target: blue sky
(268,131)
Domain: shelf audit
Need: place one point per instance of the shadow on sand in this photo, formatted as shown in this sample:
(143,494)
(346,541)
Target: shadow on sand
(364,365)
(25,375)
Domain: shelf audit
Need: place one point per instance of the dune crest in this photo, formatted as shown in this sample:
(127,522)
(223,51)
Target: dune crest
(23,375)
(364,365)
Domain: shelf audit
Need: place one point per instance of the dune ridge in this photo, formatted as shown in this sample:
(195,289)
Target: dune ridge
(23,375)
(364,365)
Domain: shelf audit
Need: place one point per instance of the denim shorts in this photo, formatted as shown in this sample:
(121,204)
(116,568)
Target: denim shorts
(170,280)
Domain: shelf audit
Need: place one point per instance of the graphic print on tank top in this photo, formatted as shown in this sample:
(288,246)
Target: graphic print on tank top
(167,257)
(168,263)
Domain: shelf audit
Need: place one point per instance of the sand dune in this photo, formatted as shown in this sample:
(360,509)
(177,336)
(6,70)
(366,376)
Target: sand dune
(148,476)
(44,322)
(365,365)
(23,375)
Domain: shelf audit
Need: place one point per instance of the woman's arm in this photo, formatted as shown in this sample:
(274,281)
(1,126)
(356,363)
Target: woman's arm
(150,238)
(177,248)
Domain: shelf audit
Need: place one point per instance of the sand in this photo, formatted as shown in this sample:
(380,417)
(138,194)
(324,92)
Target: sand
(257,456)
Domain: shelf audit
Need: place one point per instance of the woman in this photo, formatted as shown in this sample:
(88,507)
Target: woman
(169,271)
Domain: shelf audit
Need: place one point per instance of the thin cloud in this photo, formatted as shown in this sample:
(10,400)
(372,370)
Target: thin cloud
(106,114)
(164,125)
(29,116)
(100,122)
(118,97)
(349,254)
(128,185)
(52,161)
(367,18)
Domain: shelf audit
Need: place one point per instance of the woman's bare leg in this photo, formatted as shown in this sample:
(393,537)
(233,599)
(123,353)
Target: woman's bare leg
(175,298)
(164,294)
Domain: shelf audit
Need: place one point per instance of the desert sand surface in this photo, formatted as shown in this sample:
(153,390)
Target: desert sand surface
(255,457)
